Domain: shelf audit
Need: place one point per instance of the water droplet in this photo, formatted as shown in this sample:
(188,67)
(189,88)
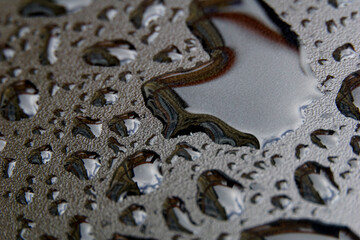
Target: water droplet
(281,201)
(9,167)
(138,174)
(134,215)
(177,216)
(339,3)
(25,196)
(126,124)
(110,53)
(177,14)
(105,96)
(53,8)
(6,52)
(58,208)
(3,142)
(219,196)
(91,205)
(299,230)
(41,155)
(185,151)
(88,127)
(51,38)
(19,101)
(324,138)
(168,55)
(301,151)
(316,183)
(147,12)
(152,35)
(83,164)
(53,194)
(282,185)
(116,146)
(355,144)
(346,51)
(108,14)
(82,230)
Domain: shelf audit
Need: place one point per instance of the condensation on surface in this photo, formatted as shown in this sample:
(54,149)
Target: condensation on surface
(83,156)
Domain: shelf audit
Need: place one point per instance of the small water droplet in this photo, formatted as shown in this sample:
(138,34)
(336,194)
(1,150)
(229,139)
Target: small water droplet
(51,38)
(108,14)
(339,3)
(81,229)
(25,196)
(185,151)
(126,124)
(177,216)
(324,138)
(53,194)
(41,155)
(19,101)
(110,53)
(6,52)
(346,51)
(104,97)
(83,164)
(301,151)
(355,144)
(281,185)
(168,55)
(9,167)
(147,12)
(116,146)
(138,174)
(219,196)
(58,208)
(87,127)
(91,205)
(316,183)
(281,201)
(134,215)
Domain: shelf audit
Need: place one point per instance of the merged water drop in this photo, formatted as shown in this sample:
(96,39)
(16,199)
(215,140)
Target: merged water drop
(19,101)
(298,230)
(134,215)
(218,196)
(247,91)
(51,8)
(138,174)
(110,53)
(87,127)
(177,216)
(126,124)
(83,164)
(41,155)
(316,183)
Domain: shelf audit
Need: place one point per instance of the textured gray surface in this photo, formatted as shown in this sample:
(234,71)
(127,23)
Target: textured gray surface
(181,180)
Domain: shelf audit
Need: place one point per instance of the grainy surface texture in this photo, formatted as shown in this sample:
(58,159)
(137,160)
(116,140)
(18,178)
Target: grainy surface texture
(67,152)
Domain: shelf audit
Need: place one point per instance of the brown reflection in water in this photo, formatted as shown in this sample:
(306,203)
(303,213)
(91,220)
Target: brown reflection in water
(167,105)
(298,228)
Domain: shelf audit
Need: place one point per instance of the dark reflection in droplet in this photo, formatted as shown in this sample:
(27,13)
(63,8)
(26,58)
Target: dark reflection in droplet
(185,151)
(41,155)
(126,124)
(219,196)
(177,216)
(19,101)
(348,97)
(51,8)
(168,55)
(146,12)
(81,229)
(316,183)
(110,53)
(134,215)
(88,127)
(25,196)
(83,164)
(299,230)
(138,174)
(355,144)
(104,97)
